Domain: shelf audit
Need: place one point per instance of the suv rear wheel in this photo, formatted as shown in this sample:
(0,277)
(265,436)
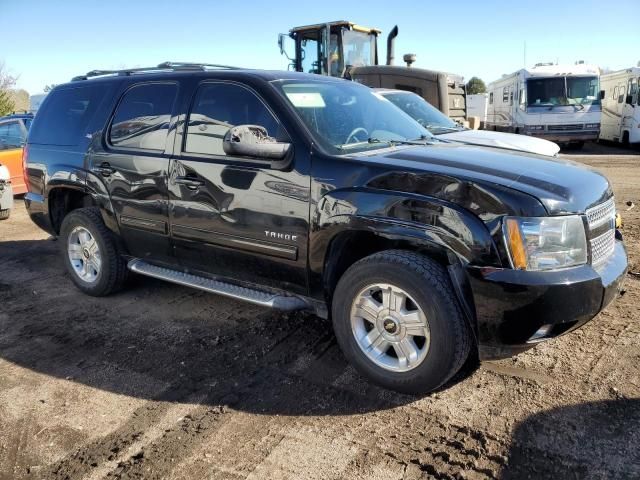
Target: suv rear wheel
(90,253)
(398,321)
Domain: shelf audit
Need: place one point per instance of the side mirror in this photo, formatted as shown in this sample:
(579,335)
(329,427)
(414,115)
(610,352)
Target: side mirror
(282,37)
(281,43)
(253,141)
(629,100)
(601,94)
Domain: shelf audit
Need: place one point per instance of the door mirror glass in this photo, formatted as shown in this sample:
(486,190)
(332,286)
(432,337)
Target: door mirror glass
(282,39)
(629,100)
(601,94)
(253,141)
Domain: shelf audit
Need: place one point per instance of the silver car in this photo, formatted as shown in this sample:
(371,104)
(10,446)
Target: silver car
(6,193)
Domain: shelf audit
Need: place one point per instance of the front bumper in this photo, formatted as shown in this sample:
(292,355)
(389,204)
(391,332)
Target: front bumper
(512,306)
(6,196)
(565,137)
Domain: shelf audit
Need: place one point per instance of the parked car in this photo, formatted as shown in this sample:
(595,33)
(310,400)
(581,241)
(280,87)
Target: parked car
(299,192)
(13,136)
(6,193)
(446,129)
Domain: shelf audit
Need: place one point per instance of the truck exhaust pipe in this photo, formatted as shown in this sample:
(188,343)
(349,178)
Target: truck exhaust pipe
(390,44)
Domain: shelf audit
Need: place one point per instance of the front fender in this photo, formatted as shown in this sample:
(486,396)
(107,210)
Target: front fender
(419,219)
(400,220)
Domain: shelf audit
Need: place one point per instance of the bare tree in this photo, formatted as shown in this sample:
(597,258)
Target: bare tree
(7,81)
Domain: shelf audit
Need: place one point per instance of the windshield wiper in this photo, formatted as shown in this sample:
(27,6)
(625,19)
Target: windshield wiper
(418,141)
(442,127)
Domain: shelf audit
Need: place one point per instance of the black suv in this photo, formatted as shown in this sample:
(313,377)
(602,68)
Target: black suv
(298,192)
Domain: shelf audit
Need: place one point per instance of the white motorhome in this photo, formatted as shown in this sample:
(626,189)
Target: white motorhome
(555,102)
(477,107)
(620,106)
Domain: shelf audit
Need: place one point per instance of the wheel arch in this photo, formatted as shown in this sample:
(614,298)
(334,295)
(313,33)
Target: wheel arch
(64,197)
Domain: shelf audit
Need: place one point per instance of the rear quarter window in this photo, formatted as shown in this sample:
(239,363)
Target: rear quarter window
(65,114)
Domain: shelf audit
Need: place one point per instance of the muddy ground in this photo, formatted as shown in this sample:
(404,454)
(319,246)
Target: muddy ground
(161,381)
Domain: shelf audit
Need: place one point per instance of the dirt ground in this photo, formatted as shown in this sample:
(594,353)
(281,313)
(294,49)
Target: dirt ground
(161,381)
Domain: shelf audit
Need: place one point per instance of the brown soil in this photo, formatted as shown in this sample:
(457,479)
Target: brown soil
(166,382)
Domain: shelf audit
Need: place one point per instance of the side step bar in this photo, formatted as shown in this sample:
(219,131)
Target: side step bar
(258,297)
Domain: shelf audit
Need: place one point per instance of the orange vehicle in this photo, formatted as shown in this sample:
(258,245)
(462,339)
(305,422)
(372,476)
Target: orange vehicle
(13,136)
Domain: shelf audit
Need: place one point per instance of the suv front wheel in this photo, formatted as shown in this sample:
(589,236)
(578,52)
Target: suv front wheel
(90,253)
(398,321)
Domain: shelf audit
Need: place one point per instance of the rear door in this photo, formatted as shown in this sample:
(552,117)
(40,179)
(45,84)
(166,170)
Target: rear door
(231,216)
(12,140)
(134,163)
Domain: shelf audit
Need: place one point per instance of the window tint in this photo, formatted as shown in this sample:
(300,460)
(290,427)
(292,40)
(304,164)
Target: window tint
(10,135)
(218,107)
(142,117)
(65,114)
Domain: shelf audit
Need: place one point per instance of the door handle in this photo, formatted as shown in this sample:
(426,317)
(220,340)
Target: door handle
(192,183)
(104,169)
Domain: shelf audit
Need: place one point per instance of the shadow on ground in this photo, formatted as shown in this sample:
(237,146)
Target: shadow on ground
(588,440)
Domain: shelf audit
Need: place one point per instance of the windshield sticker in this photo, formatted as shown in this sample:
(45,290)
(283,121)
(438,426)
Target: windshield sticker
(306,100)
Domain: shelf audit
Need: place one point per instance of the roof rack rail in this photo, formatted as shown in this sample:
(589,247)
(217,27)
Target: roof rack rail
(164,66)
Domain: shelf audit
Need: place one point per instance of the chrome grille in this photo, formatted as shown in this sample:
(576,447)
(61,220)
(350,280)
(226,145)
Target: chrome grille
(602,213)
(602,247)
(602,218)
(568,126)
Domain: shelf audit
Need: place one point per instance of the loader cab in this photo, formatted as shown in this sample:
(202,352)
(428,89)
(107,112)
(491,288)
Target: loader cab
(331,48)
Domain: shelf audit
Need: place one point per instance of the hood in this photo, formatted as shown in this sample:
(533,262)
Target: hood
(562,186)
(509,141)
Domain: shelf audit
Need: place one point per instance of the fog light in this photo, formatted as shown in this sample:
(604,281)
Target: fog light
(541,333)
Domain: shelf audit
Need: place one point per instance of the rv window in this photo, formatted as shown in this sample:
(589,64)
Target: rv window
(614,95)
(511,98)
(491,98)
(633,89)
(621,93)
(505,94)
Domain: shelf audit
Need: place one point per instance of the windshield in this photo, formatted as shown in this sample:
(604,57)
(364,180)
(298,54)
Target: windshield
(422,111)
(358,48)
(554,91)
(346,117)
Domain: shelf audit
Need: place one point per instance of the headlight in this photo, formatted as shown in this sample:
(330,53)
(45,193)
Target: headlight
(591,125)
(545,243)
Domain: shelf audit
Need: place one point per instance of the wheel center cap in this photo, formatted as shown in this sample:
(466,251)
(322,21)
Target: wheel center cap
(85,253)
(390,325)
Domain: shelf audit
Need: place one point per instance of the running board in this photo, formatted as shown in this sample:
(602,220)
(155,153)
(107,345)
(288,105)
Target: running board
(257,297)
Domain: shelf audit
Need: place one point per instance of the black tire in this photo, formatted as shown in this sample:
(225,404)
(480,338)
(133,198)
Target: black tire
(113,270)
(4,214)
(450,339)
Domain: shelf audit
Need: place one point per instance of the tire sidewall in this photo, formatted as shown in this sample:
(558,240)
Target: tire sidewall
(435,369)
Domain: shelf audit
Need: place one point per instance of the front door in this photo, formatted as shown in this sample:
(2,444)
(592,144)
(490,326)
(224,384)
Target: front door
(628,108)
(231,216)
(134,167)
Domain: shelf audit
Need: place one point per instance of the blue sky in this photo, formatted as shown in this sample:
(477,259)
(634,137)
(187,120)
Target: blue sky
(51,41)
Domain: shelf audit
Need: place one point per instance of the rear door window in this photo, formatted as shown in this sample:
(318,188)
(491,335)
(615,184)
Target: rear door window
(142,117)
(65,114)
